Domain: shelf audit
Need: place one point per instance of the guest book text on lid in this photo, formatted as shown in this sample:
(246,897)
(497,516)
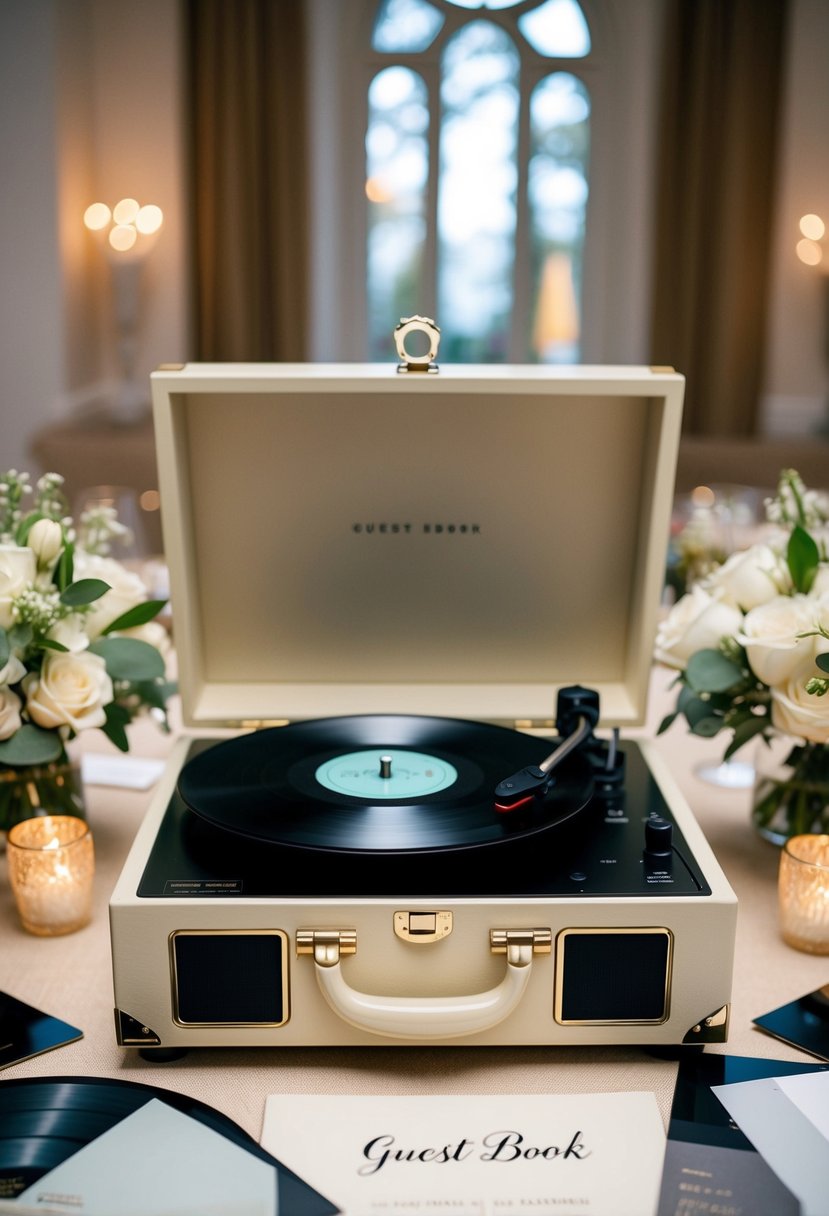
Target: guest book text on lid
(342,539)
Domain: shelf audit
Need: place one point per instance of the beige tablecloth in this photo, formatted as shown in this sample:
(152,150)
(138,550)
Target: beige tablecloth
(70,977)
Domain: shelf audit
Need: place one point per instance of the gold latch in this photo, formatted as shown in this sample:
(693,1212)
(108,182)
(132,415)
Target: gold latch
(541,940)
(422,926)
(326,945)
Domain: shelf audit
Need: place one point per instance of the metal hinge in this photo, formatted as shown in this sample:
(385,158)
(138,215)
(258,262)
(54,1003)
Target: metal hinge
(541,940)
(326,945)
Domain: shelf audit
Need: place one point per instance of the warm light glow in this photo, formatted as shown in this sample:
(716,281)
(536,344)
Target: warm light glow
(557,315)
(377,191)
(813,227)
(125,211)
(703,496)
(150,500)
(149,219)
(122,237)
(809,252)
(97,216)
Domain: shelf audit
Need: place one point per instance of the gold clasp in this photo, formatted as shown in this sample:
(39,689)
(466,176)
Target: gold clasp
(417,363)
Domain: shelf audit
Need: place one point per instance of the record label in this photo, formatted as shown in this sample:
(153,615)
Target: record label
(378,774)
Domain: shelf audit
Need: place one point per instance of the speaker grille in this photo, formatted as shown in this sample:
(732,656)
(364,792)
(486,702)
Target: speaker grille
(613,975)
(230,978)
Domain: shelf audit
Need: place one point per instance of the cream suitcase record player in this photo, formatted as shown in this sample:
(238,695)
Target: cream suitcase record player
(425,605)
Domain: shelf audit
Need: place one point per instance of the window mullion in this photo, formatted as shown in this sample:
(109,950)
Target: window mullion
(522,294)
(430,269)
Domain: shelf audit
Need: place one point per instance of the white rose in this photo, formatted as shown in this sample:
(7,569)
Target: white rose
(696,622)
(798,712)
(70,632)
(45,539)
(820,587)
(751,577)
(126,590)
(10,705)
(18,568)
(770,636)
(71,690)
(13,671)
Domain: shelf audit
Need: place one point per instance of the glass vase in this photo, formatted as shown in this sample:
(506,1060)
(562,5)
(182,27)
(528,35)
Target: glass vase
(40,789)
(791,789)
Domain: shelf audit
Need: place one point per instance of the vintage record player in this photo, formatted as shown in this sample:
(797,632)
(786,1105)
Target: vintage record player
(425,604)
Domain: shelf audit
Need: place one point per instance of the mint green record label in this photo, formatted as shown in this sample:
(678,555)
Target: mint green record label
(378,773)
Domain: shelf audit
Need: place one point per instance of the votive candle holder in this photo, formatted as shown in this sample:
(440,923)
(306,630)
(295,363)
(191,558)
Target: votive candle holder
(803,890)
(51,866)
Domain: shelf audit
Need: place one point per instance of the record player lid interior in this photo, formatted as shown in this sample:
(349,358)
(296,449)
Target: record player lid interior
(345,540)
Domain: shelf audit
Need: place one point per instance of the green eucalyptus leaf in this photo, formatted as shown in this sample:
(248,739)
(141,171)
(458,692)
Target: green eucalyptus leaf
(667,722)
(711,671)
(31,745)
(802,558)
(139,615)
(51,644)
(129,659)
(5,648)
(155,693)
(84,591)
(822,661)
(707,727)
(114,728)
(748,729)
(697,710)
(20,636)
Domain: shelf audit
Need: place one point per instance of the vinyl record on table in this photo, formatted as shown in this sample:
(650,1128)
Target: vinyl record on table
(314,785)
(45,1120)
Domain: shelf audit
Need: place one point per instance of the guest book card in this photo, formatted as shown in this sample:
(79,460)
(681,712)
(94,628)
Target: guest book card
(483,1155)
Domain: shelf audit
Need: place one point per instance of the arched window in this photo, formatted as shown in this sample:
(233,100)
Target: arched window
(477,174)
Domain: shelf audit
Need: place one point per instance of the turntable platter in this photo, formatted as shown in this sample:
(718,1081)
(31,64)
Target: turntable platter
(374,784)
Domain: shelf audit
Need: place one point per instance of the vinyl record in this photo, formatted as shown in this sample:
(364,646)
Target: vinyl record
(45,1120)
(321,784)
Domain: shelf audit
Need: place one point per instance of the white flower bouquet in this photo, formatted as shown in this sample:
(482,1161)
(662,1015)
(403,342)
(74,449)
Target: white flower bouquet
(751,643)
(79,644)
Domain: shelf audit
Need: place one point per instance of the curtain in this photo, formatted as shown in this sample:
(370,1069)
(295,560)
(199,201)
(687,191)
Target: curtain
(247,147)
(717,155)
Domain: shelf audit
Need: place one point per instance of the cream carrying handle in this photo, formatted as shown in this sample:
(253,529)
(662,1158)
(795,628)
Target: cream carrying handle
(429,1017)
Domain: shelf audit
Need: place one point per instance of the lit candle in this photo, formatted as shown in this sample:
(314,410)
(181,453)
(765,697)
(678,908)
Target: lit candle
(803,889)
(51,865)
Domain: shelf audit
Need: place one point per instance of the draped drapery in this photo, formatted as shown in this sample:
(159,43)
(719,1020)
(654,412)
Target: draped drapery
(248,187)
(717,149)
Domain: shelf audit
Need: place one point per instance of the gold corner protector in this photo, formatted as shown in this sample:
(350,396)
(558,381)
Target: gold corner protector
(713,1029)
(171,367)
(657,369)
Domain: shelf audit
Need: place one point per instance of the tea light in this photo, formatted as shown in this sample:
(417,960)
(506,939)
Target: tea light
(51,865)
(803,889)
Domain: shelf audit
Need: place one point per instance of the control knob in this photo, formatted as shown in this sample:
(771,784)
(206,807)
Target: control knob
(659,834)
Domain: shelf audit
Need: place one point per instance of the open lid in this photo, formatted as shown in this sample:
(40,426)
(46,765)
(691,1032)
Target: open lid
(345,540)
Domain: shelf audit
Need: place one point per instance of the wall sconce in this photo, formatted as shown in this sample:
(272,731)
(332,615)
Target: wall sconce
(809,248)
(130,232)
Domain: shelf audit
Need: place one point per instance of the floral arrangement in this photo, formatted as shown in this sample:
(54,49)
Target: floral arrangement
(751,643)
(79,645)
